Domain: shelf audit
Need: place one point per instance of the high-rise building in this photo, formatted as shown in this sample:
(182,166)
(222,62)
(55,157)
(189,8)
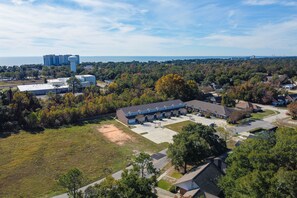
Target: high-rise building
(56,60)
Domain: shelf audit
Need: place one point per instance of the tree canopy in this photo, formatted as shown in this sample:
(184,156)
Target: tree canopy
(72,181)
(136,182)
(195,143)
(265,166)
(174,86)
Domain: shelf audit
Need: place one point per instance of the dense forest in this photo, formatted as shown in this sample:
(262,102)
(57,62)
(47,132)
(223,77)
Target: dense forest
(139,83)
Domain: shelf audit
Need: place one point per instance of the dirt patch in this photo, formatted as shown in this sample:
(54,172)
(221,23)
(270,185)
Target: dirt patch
(114,134)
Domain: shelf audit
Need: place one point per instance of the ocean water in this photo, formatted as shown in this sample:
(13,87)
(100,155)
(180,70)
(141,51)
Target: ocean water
(10,61)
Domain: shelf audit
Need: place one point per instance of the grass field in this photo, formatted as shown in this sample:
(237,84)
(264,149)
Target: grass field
(20,82)
(179,126)
(261,115)
(31,163)
(175,174)
(164,184)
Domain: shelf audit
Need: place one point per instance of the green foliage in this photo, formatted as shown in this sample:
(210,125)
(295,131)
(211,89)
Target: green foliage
(194,144)
(74,84)
(72,180)
(257,92)
(164,184)
(143,164)
(261,115)
(228,101)
(263,167)
(132,183)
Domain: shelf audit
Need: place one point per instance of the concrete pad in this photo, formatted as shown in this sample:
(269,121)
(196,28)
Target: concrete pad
(153,132)
(252,126)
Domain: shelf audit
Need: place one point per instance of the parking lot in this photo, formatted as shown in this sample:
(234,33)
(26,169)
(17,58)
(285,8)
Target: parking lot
(156,132)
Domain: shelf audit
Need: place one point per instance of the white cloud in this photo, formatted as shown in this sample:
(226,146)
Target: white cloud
(20,2)
(276,37)
(103,27)
(28,30)
(270,2)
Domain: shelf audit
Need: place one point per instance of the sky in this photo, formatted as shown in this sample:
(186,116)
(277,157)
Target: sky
(148,27)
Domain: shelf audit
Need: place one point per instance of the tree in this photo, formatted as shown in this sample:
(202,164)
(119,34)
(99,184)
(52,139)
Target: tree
(72,180)
(265,166)
(32,121)
(193,91)
(172,86)
(143,164)
(194,144)
(74,84)
(134,182)
(227,101)
(293,110)
(236,115)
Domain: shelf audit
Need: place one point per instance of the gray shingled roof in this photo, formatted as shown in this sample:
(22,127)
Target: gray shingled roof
(191,175)
(153,106)
(209,107)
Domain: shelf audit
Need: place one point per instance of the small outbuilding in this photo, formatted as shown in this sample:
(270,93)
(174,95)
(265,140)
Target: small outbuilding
(248,106)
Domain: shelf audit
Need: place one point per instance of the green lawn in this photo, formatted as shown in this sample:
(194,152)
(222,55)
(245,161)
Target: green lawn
(164,184)
(263,114)
(179,126)
(31,163)
(175,174)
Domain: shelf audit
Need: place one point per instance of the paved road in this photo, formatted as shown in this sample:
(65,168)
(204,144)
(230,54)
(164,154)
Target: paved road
(265,123)
(158,164)
(252,126)
(282,113)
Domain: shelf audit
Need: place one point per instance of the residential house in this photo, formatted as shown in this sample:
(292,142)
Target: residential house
(200,181)
(280,101)
(289,86)
(248,106)
(282,79)
(291,98)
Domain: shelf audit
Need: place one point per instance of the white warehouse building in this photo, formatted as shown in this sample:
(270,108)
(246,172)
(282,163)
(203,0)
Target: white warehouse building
(58,85)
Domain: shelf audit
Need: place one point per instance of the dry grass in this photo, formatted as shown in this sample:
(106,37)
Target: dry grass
(30,164)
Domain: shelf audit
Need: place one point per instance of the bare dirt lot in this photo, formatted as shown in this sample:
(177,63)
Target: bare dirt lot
(114,134)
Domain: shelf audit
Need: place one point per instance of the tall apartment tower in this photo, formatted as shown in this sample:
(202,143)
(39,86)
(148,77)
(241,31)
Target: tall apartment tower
(56,60)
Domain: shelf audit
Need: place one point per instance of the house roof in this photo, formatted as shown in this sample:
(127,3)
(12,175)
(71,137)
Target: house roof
(167,105)
(292,97)
(208,195)
(246,105)
(191,175)
(210,107)
(191,193)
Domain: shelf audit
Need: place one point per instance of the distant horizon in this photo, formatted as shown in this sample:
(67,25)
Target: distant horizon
(151,55)
(29,60)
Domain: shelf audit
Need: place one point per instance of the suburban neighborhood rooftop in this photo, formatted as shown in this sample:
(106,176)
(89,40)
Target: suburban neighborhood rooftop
(153,106)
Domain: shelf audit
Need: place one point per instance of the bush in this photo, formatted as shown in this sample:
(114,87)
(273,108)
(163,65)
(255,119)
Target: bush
(173,189)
